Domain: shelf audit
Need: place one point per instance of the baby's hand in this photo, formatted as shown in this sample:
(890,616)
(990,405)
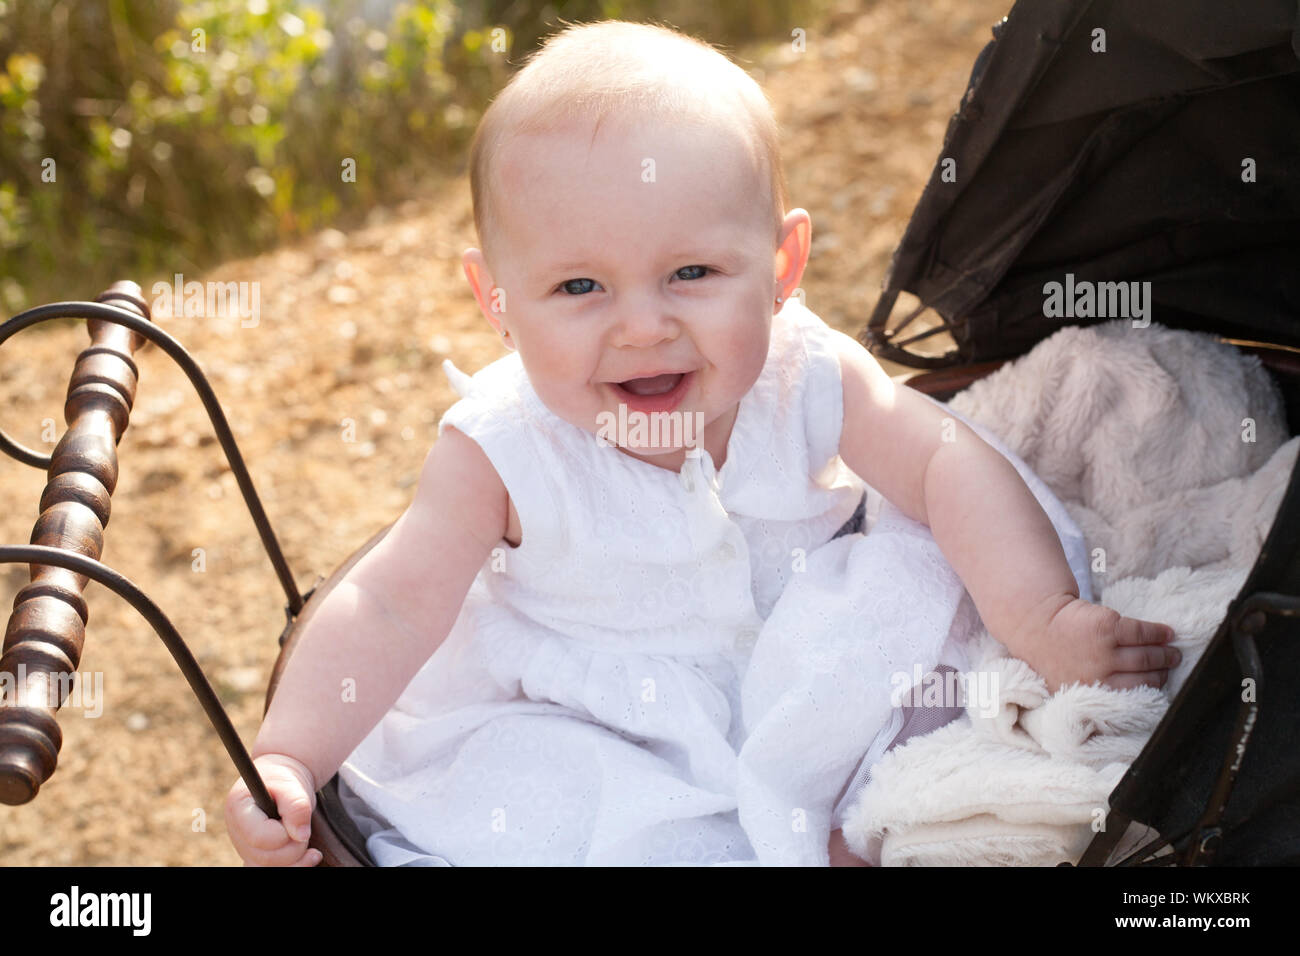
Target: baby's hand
(261,841)
(1087,642)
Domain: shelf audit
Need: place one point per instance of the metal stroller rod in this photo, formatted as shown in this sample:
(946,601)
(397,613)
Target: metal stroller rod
(124,588)
(47,627)
(145,328)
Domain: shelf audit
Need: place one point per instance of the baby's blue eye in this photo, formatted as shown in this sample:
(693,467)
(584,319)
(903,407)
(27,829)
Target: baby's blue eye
(694,274)
(578,286)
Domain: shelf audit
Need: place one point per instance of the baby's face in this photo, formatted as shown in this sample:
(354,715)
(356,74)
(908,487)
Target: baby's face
(632,250)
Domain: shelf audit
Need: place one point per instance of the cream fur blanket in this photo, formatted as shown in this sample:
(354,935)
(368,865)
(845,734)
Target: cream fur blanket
(1170,451)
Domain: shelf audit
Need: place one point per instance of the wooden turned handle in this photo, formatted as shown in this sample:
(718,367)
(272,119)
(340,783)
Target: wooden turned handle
(43,640)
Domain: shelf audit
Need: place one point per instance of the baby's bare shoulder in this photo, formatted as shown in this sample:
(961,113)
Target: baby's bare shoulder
(433,551)
(460,481)
(459,490)
(890,431)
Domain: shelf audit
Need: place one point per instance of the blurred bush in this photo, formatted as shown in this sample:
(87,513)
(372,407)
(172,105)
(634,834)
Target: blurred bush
(146,137)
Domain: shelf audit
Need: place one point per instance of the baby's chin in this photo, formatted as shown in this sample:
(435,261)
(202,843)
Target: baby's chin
(644,450)
(650,434)
(669,459)
(668,451)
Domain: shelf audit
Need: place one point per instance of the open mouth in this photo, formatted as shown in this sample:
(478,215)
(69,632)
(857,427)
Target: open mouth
(655,385)
(658,393)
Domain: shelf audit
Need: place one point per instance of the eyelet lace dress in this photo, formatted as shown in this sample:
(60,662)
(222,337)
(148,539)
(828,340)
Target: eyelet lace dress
(673,668)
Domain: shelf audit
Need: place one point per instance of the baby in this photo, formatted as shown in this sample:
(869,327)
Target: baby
(585,703)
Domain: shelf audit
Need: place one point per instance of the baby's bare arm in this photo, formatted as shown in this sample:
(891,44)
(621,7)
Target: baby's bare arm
(990,527)
(389,613)
(936,470)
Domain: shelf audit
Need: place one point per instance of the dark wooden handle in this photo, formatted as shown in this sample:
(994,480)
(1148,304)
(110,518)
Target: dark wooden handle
(43,639)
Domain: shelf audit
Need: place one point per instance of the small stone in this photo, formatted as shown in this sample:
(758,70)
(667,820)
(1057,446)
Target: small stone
(880,204)
(243,679)
(860,80)
(332,240)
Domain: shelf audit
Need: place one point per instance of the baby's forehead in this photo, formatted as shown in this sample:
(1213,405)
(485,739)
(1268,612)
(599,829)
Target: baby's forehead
(633,173)
(642,139)
(556,160)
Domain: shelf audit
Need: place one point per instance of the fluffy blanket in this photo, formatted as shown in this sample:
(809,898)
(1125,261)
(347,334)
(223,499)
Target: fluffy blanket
(1169,449)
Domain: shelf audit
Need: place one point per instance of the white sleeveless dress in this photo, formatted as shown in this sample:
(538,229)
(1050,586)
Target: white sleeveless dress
(673,667)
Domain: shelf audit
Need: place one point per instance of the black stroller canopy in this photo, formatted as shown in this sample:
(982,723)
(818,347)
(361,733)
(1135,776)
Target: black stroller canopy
(1134,142)
(1114,141)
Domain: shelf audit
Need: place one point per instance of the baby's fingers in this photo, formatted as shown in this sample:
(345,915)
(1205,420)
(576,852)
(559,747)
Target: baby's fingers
(295,805)
(1145,658)
(291,854)
(256,829)
(1129,679)
(1130,631)
(264,842)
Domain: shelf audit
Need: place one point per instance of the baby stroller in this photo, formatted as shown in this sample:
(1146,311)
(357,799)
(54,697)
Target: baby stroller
(1116,156)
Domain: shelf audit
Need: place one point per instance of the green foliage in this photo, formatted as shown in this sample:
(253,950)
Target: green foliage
(145,138)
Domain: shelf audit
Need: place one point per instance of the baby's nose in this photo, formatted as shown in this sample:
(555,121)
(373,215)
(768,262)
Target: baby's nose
(646,325)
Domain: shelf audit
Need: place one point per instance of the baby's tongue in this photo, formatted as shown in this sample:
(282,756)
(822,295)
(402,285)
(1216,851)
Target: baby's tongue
(655,385)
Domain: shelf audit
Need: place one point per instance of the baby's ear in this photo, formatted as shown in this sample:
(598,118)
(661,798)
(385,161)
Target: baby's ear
(480,278)
(795,244)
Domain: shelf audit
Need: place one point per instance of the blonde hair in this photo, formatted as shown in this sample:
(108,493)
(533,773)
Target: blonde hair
(588,71)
